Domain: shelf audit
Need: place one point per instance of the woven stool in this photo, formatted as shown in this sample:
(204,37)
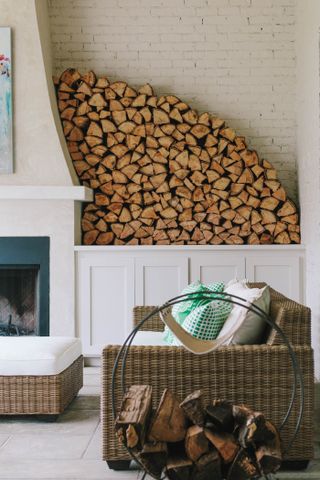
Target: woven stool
(39,375)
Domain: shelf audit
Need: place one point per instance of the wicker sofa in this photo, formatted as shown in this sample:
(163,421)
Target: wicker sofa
(258,375)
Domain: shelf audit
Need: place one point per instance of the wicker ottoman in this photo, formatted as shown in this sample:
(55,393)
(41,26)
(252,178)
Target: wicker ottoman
(39,375)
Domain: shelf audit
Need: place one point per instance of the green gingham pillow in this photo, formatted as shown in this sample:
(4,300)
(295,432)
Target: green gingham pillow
(201,318)
(205,322)
(181,310)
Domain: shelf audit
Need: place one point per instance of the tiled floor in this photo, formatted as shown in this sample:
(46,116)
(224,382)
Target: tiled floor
(70,448)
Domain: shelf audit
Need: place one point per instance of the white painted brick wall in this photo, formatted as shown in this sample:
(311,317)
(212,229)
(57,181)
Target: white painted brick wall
(235,58)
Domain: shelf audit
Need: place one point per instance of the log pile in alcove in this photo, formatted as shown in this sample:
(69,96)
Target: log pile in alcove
(164,174)
(192,441)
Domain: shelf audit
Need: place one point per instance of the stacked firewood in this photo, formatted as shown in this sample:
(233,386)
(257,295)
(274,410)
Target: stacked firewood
(164,174)
(188,441)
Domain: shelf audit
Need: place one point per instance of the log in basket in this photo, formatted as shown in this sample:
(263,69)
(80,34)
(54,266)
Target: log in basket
(199,347)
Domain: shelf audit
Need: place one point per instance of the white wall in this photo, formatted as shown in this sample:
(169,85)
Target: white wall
(38,156)
(308,153)
(53,219)
(232,57)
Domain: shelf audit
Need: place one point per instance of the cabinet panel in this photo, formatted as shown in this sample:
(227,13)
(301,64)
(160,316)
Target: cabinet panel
(159,278)
(105,300)
(210,268)
(281,272)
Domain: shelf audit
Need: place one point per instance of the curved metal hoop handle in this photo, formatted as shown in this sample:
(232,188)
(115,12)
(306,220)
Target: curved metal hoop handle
(234,300)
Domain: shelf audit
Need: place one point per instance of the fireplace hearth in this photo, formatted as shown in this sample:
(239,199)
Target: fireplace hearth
(24,286)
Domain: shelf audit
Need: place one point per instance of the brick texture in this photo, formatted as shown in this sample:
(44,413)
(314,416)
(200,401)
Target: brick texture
(235,58)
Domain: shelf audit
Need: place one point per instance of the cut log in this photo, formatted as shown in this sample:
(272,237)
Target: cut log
(105,238)
(269,459)
(90,78)
(288,208)
(282,238)
(192,404)
(70,77)
(246,177)
(179,467)
(208,467)
(169,423)
(252,425)
(224,442)
(153,457)
(97,100)
(146,90)
(200,130)
(268,455)
(221,415)
(169,213)
(125,216)
(90,237)
(269,203)
(196,443)
(222,183)
(160,117)
(135,410)
(243,467)
(228,133)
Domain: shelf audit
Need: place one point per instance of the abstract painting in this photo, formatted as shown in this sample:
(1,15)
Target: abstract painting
(6,155)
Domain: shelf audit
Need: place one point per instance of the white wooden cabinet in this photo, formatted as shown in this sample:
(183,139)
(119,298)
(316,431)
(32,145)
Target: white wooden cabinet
(282,272)
(211,267)
(105,298)
(160,277)
(111,280)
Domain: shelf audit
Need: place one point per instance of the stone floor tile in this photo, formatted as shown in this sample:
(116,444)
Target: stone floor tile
(73,422)
(3,439)
(61,470)
(92,371)
(94,449)
(90,390)
(92,381)
(86,402)
(44,446)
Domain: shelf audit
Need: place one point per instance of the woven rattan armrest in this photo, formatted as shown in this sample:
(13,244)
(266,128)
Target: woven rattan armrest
(294,320)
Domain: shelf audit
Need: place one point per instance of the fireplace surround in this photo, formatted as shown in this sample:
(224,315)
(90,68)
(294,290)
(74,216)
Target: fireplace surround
(24,285)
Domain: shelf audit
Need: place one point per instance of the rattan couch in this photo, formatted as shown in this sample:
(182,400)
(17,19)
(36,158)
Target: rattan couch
(258,375)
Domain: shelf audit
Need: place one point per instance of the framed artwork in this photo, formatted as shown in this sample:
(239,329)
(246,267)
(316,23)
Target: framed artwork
(6,149)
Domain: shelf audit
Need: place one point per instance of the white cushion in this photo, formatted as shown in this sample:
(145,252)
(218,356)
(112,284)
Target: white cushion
(251,325)
(37,355)
(154,339)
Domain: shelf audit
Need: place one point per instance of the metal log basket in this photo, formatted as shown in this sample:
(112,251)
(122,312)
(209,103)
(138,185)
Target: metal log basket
(205,346)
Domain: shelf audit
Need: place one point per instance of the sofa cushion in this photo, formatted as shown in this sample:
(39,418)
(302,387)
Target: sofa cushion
(252,325)
(37,355)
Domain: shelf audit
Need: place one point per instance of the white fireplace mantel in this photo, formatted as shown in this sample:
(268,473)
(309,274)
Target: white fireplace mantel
(44,192)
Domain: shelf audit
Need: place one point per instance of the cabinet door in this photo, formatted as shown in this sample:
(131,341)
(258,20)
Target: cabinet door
(215,267)
(105,300)
(281,272)
(159,278)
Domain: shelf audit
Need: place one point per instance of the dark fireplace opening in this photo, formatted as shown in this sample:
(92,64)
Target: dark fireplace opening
(19,300)
(24,286)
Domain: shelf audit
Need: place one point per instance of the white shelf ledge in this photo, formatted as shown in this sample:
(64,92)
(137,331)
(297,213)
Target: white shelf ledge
(45,192)
(185,248)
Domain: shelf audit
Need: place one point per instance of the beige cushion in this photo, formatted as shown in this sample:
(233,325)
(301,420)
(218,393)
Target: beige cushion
(252,325)
(37,355)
